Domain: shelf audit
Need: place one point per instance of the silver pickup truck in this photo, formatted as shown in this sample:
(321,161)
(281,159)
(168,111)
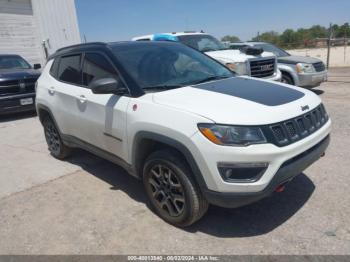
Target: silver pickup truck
(301,71)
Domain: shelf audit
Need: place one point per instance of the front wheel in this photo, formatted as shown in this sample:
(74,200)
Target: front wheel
(287,79)
(172,190)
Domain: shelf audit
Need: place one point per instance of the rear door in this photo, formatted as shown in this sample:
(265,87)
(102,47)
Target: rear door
(102,117)
(64,90)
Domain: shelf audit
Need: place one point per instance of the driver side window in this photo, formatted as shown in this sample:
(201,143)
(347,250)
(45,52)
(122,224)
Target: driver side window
(95,67)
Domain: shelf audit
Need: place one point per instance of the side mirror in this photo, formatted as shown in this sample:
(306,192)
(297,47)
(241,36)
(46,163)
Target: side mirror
(108,86)
(37,66)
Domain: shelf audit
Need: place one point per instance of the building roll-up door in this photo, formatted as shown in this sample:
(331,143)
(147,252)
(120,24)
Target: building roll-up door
(18,30)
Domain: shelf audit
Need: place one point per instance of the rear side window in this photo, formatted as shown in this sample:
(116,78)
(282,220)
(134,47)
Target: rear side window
(95,67)
(54,68)
(69,69)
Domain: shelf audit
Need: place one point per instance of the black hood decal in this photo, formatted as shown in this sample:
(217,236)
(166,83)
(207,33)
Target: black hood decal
(269,94)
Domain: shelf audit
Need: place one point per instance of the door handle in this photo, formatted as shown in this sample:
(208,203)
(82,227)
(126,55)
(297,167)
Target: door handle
(82,98)
(51,90)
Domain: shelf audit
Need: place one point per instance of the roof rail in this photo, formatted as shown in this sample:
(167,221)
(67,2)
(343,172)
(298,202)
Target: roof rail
(80,45)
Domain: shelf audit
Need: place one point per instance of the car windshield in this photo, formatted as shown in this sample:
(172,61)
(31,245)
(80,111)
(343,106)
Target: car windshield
(273,49)
(13,62)
(166,65)
(203,43)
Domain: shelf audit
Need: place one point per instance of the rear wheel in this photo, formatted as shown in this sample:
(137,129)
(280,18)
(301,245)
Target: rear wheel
(172,190)
(54,141)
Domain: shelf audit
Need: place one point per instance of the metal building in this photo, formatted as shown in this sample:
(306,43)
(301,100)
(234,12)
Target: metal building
(37,28)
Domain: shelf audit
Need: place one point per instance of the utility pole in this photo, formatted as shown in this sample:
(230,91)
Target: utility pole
(345,44)
(329,44)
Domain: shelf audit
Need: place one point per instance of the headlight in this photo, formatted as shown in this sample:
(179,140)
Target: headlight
(303,68)
(239,67)
(232,135)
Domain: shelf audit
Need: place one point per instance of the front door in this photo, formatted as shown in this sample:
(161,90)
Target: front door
(102,117)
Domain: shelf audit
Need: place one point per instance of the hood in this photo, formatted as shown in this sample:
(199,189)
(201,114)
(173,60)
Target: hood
(240,101)
(298,59)
(16,74)
(231,55)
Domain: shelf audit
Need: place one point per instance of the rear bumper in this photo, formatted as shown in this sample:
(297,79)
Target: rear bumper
(12,104)
(287,172)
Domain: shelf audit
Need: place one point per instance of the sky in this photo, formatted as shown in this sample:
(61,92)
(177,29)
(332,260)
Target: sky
(115,20)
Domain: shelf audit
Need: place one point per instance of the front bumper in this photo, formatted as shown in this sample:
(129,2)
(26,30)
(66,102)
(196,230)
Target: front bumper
(312,80)
(286,172)
(208,155)
(277,76)
(12,104)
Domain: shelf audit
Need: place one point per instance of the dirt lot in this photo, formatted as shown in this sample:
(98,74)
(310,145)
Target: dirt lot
(86,205)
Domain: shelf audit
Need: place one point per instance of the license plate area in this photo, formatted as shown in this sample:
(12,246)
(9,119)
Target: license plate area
(26,101)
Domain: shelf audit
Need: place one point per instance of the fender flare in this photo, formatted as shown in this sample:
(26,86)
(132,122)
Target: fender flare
(290,71)
(171,143)
(47,110)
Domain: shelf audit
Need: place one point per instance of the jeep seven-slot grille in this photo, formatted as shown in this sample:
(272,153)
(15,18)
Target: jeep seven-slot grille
(262,68)
(319,67)
(15,87)
(292,130)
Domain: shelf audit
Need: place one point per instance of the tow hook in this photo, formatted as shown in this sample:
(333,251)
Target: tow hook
(323,154)
(280,188)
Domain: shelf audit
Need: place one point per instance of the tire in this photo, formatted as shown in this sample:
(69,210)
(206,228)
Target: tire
(53,139)
(171,189)
(287,79)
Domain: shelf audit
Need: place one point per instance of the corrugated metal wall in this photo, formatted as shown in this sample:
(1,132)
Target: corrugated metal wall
(18,30)
(25,24)
(57,23)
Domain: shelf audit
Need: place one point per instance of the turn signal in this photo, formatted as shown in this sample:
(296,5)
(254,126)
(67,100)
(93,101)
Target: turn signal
(209,134)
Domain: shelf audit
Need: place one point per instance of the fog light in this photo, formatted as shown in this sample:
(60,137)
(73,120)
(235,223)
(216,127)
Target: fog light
(242,172)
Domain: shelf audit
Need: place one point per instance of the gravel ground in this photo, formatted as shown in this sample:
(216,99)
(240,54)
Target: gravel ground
(86,205)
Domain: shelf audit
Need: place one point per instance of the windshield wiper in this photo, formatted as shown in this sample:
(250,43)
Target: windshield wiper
(161,87)
(209,78)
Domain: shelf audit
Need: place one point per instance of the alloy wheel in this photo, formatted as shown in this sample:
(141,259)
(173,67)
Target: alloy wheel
(167,190)
(52,138)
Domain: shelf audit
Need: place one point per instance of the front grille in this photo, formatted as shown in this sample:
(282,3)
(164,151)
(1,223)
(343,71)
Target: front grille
(292,130)
(13,87)
(319,67)
(262,68)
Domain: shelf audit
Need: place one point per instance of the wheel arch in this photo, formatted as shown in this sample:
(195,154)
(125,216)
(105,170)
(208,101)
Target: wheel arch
(44,111)
(146,142)
(290,72)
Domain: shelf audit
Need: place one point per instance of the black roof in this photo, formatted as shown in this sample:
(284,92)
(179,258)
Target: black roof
(6,55)
(77,48)
(99,45)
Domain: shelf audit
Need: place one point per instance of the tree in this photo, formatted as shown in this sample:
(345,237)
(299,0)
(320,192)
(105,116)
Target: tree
(300,38)
(289,39)
(270,37)
(342,31)
(230,38)
(318,31)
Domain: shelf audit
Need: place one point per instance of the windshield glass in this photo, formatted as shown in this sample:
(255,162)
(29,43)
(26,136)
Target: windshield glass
(13,62)
(203,43)
(273,49)
(167,64)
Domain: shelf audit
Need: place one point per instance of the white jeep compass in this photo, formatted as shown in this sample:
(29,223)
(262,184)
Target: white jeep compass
(193,131)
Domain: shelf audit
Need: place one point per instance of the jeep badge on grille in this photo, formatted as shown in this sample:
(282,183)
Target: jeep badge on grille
(304,108)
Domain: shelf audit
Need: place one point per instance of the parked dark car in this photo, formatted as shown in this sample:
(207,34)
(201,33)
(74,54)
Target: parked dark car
(17,84)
